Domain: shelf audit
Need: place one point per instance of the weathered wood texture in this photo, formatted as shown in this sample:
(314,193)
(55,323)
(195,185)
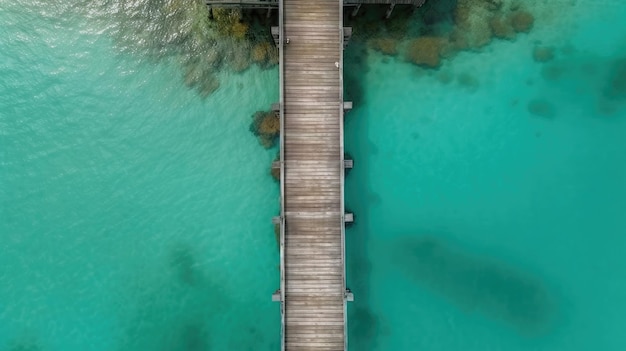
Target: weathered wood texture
(274,3)
(389,2)
(313,252)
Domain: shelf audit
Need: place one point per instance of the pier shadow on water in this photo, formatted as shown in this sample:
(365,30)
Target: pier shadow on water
(475,283)
(364,322)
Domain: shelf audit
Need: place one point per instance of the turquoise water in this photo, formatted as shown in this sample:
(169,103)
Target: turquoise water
(135,215)
(483,226)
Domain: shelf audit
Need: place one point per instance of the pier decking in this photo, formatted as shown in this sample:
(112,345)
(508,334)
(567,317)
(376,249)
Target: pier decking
(313,289)
(275,3)
(312,295)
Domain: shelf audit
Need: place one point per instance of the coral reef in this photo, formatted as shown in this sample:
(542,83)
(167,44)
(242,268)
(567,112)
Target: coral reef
(228,23)
(239,57)
(522,21)
(275,172)
(266,126)
(265,54)
(502,28)
(387,46)
(184,30)
(472,23)
(427,51)
(440,29)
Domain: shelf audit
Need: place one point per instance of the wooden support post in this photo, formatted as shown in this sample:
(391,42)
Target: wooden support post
(349,218)
(269,12)
(349,296)
(347,106)
(348,164)
(276,35)
(347,33)
(356,10)
(390,10)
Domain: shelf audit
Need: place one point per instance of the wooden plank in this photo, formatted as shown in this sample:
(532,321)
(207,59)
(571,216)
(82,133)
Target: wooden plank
(312,249)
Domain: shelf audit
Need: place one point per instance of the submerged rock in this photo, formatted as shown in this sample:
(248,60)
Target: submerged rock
(522,21)
(387,46)
(427,51)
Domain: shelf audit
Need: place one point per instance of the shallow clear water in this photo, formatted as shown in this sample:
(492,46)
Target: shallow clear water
(135,215)
(483,226)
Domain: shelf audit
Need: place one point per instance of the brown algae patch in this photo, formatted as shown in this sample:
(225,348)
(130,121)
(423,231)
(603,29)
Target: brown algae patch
(387,46)
(266,126)
(427,51)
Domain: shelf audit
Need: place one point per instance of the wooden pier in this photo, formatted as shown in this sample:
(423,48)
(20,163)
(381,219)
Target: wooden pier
(312,294)
(250,4)
(313,289)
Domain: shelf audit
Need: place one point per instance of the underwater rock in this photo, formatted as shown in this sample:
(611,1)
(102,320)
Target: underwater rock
(265,54)
(228,23)
(502,28)
(387,46)
(522,21)
(259,52)
(494,5)
(275,173)
(543,54)
(472,20)
(541,108)
(266,126)
(426,51)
